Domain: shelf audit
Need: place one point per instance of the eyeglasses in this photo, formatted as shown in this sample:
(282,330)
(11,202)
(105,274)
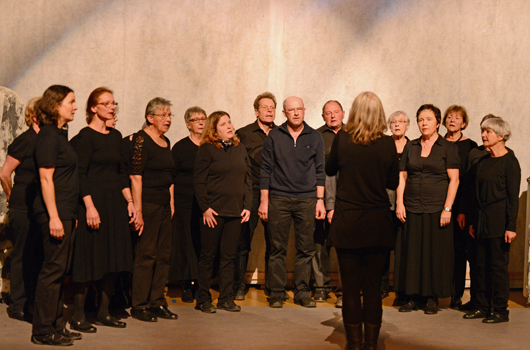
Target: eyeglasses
(266,108)
(292,110)
(109,104)
(163,116)
(197,120)
(398,122)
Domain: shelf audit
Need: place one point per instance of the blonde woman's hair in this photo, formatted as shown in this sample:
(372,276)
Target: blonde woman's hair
(367,121)
(31,111)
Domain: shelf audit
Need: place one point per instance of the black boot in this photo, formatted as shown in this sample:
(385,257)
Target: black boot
(371,334)
(354,336)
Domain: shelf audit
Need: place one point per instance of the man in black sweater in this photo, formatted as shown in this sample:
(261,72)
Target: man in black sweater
(253,136)
(333,116)
(292,188)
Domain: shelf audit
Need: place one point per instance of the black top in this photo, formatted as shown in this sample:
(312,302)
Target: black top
(362,213)
(52,150)
(293,168)
(497,195)
(427,180)
(155,164)
(221,179)
(99,157)
(464,147)
(253,137)
(184,153)
(366,171)
(328,135)
(25,186)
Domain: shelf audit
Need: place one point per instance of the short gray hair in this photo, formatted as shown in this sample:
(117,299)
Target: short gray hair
(499,126)
(397,114)
(153,105)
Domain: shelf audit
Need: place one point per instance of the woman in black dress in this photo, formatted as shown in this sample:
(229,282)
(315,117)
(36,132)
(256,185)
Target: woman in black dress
(427,188)
(362,228)
(55,210)
(151,172)
(186,240)
(103,243)
(455,120)
(25,231)
(223,187)
(493,221)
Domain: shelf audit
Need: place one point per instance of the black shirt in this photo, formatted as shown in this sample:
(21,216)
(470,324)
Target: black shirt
(52,150)
(497,195)
(253,137)
(184,153)
(221,179)
(427,179)
(25,186)
(155,164)
(99,157)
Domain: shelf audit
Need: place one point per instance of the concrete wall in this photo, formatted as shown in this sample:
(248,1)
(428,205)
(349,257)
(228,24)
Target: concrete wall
(221,54)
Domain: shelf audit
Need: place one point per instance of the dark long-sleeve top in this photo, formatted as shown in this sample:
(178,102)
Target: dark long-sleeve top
(25,186)
(362,213)
(253,137)
(99,157)
(497,182)
(427,179)
(184,153)
(293,168)
(52,150)
(155,164)
(328,135)
(464,148)
(222,179)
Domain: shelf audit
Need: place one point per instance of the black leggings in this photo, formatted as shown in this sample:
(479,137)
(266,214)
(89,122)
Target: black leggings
(361,270)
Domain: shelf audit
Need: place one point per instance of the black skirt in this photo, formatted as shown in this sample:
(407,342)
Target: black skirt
(424,257)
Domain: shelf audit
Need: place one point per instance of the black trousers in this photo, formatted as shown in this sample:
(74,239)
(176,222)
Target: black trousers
(282,212)
(361,271)
(26,260)
(224,237)
(492,278)
(151,262)
(49,297)
(245,242)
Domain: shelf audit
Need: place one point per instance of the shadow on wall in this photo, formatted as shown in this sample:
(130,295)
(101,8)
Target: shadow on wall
(59,19)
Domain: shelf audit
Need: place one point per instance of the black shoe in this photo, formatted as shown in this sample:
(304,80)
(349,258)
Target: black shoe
(240,294)
(430,308)
(110,321)
(496,318)
(320,295)
(207,307)
(306,302)
(476,314)
(469,306)
(143,315)
(409,306)
(229,306)
(51,339)
(82,326)
(16,315)
(455,302)
(70,335)
(276,302)
(187,295)
(162,311)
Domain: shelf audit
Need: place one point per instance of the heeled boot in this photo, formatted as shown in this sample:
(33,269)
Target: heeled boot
(354,336)
(371,334)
